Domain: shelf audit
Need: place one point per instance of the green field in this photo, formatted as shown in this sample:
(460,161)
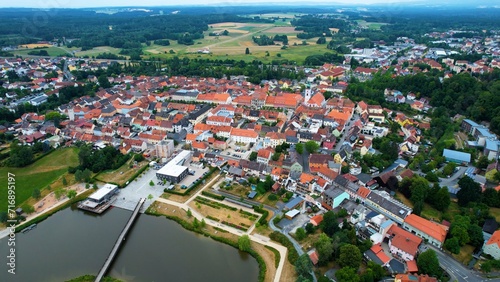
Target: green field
(370,25)
(53,51)
(98,50)
(37,175)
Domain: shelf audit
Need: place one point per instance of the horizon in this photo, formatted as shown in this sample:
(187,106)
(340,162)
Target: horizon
(96,4)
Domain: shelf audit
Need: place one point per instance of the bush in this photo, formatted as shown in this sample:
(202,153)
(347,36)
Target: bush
(283,240)
(265,213)
(213,196)
(272,197)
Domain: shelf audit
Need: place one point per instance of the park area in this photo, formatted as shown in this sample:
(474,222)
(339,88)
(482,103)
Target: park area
(269,257)
(223,213)
(39,175)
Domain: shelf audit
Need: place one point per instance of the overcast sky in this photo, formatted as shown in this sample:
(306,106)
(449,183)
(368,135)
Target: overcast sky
(143,3)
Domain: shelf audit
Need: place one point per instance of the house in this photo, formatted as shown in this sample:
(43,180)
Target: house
(432,232)
(316,220)
(403,244)
(382,202)
(333,196)
(492,246)
(313,255)
(264,155)
(377,255)
(489,227)
(317,161)
(244,135)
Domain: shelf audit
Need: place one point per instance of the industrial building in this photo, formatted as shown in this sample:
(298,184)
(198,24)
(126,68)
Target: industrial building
(176,169)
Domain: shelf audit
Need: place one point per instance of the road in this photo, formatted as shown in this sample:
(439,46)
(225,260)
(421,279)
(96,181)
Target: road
(457,271)
(346,130)
(453,179)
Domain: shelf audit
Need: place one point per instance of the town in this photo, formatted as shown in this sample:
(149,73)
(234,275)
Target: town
(336,174)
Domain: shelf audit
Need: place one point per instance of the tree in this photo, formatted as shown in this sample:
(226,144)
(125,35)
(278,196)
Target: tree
(475,235)
(303,266)
(247,51)
(299,148)
(329,225)
(71,194)
(27,208)
(428,263)
(311,147)
(188,213)
(347,274)
(321,40)
(344,169)
(253,156)
(151,183)
(196,223)
(36,193)
(244,243)
(276,156)
(452,245)
(350,256)
(64,181)
(4,216)
(310,228)
(324,247)
(482,162)
(300,234)
(203,223)
(103,81)
(470,191)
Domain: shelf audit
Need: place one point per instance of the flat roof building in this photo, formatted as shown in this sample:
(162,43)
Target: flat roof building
(175,170)
(456,156)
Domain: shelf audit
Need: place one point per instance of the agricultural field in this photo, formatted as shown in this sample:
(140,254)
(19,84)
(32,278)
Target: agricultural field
(37,175)
(98,50)
(233,45)
(370,25)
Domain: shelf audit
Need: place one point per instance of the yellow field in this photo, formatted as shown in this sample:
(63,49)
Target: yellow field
(32,46)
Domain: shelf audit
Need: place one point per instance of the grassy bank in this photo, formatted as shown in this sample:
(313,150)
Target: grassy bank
(189,226)
(37,175)
(78,198)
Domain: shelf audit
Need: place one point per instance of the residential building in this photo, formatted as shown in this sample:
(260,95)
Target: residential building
(492,246)
(403,244)
(433,232)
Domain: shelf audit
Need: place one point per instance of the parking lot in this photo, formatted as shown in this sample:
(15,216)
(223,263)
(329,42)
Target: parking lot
(198,172)
(139,188)
(290,226)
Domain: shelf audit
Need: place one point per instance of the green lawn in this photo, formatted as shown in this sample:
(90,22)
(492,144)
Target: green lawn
(37,175)
(53,51)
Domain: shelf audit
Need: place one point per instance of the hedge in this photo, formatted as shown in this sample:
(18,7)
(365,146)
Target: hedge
(277,255)
(189,226)
(213,196)
(264,212)
(293,255)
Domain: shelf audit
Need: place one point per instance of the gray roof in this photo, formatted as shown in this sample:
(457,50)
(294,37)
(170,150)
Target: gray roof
(363,177)
(389,204)
(293,202)
(333,192)
(490,226)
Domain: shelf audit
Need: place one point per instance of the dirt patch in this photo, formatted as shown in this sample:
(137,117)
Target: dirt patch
(268,257)
(246,43)
(50,199)
(283,29)
(234,217)
(122,174)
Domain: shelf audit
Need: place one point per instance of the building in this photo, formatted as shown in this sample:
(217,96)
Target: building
(334,196)
(432,232)
(382,202)
(402,243)
(492,246)
(175,170)
(165,148)
(100,200)
(456,156)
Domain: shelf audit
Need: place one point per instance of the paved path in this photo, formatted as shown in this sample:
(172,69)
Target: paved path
(256,238)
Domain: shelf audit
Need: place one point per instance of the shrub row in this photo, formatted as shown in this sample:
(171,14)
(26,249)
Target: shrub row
(264,212)
(293,255)
(189,226)
(213,218)
(213,196)
(214,204)
(234,225)
(248,214)
(277,256)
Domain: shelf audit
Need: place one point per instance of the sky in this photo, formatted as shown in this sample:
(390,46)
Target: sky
(145,3)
